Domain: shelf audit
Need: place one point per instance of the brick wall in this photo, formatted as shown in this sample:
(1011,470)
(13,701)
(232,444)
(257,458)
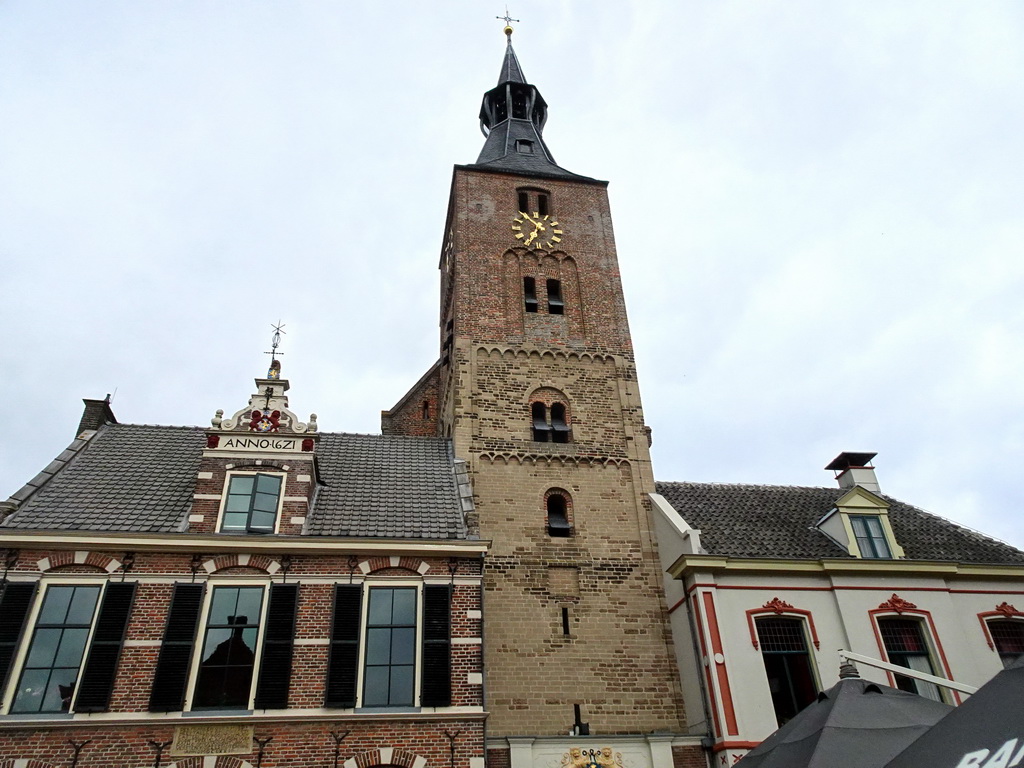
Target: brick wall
(415,415)
(296,745)
(617,660)
(116,745)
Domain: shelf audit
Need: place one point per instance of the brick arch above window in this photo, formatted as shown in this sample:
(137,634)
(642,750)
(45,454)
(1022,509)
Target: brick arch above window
(386,756)
(256,562)
(393,562)
(97,560)
(777,607)
(220,761)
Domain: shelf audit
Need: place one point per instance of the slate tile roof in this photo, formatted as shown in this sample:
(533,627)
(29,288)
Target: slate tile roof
(140,478)
(766,521)
(387,485)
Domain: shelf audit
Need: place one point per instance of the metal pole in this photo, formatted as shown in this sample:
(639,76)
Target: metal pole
(907,672)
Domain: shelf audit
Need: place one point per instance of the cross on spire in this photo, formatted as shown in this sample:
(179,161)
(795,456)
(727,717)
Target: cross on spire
(508,22)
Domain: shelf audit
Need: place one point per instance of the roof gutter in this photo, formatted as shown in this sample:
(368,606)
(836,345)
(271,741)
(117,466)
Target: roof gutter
(687,564)
(191,542)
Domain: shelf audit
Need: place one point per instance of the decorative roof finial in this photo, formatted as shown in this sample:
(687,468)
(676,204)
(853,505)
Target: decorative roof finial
(508,24)
(275,364)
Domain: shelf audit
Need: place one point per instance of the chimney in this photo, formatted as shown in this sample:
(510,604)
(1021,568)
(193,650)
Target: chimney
(855,469)
(96,414)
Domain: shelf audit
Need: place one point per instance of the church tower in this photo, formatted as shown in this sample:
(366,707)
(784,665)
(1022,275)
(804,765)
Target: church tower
(536,387)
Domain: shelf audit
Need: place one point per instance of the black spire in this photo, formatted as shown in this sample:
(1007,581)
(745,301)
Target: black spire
(512,118)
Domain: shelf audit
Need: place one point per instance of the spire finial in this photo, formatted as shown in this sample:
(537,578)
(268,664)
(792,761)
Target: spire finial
(508,24)
(275,342)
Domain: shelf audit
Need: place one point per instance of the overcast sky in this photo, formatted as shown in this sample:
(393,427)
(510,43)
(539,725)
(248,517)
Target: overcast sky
(818,210)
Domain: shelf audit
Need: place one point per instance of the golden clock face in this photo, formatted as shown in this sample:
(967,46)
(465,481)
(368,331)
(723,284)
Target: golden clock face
(536,231)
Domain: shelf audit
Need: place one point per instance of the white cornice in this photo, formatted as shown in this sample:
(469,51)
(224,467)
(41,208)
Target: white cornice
(687,564)
(191,542)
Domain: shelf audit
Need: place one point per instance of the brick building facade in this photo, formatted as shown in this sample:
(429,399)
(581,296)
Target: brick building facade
(252,594)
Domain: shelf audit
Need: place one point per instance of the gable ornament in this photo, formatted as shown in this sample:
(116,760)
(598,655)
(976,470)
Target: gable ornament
(897,603)
(778,606)
(1008,610)
(592,758)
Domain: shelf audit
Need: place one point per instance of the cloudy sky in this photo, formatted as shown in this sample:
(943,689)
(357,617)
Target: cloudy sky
(818,209)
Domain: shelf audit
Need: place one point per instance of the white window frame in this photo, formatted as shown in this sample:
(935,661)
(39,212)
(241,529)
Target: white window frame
(809,648)
(251,473)
(29,633)
(387,582)
(931,648)
(200,640)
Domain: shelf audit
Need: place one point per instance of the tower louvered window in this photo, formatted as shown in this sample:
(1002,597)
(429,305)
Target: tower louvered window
(550,424)
(555,304)
(558,516)
(530,294)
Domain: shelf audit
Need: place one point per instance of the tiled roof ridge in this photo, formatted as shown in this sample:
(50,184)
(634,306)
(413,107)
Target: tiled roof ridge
(754,485)
(965,528)
(195,428)
(190,427)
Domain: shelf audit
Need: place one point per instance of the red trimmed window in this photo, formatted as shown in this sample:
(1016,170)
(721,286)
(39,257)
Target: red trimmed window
(905,645)
(787,663)
(1008,637)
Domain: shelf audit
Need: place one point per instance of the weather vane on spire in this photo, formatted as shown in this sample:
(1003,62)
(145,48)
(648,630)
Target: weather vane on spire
(275,342)
(508,22)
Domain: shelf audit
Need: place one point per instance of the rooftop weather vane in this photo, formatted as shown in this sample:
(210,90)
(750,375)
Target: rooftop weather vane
(275,364)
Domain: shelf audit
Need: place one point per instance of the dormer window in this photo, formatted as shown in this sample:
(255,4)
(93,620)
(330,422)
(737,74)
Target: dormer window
(524,146)
(870,537)
(252,503)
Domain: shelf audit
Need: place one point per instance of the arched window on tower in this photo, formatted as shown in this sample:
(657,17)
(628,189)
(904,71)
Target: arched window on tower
(541,428)
(555,304)
(557,504)
(532,201)
(550,423)
(559,424)
(530,294)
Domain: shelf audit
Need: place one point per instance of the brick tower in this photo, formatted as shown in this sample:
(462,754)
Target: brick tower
(536,387)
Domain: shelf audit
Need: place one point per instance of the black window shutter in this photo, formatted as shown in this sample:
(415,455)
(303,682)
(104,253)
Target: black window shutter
(15,601)
(436,675)
(171,678)
(97,681)
(343,666)
(276,661)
